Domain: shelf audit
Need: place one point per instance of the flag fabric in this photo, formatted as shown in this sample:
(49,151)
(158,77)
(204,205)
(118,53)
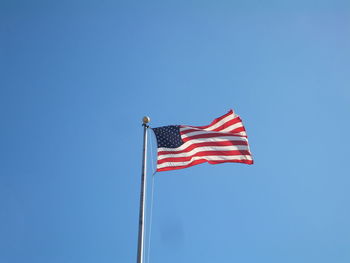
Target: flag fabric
(182,146)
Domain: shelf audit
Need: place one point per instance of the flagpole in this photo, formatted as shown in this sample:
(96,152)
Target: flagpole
(140,246)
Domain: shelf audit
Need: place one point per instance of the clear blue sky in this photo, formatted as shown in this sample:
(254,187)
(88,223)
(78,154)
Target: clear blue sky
(78,76)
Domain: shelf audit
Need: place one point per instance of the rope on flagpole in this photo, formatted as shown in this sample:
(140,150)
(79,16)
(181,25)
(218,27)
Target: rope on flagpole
(152,201)
(151,142)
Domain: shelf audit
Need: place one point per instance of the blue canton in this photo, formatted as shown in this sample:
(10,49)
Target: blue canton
(168,136)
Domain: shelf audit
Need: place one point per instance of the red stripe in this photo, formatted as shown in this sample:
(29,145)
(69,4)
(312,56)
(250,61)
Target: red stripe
(240,129)
(229,123)
(204,153)
(223,126)
(203,161)
(214,121)
(202,144)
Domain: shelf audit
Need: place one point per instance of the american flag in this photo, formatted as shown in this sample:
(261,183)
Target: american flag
(182,146)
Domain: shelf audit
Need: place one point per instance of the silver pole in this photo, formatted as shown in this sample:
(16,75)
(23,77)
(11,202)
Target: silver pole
(140,246)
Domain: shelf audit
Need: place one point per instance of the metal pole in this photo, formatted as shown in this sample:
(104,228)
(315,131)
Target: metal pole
(140,246)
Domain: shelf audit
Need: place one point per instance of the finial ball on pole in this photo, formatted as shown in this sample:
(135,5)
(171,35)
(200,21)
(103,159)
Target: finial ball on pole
(146,119)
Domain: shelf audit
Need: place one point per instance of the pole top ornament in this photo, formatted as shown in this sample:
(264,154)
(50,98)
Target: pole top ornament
(146,119)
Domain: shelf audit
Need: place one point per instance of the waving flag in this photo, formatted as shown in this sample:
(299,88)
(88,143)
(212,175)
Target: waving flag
(182,146)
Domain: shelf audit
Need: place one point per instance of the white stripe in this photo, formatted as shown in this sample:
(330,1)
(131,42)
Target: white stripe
(208,158)
(214,139)
(200,132)
(227,129)
(242,133)
(214,126)
(202,149)
(232,127)
(221,122)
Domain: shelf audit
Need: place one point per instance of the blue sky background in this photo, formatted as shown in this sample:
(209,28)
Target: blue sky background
(78,76)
